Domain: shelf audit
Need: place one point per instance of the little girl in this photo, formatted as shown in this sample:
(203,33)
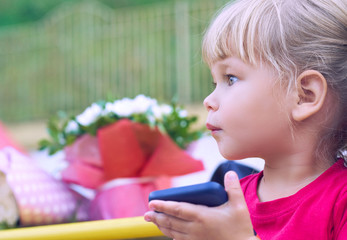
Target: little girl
(280,73)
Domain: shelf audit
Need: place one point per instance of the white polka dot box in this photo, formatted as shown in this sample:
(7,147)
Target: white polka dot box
(30,195)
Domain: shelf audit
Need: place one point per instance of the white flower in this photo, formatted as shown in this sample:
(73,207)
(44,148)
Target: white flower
(126,106)
(90,115)
(110,108)
(183,113)
(122,108)
(141,104)
(160,110)
(71,127)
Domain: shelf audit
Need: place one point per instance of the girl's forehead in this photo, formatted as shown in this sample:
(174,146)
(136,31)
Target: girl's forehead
(236,64)
(232,63)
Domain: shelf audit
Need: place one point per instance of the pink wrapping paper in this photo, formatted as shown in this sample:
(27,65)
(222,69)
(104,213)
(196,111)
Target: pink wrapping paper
(128,160)
(110,202)
(85,164)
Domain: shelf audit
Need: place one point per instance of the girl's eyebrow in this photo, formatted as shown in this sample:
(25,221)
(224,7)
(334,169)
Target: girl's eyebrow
(222,68)
(231,68)
(233,63)
(229,65)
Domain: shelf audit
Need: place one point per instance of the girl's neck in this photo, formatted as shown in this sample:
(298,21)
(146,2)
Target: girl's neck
(284,181)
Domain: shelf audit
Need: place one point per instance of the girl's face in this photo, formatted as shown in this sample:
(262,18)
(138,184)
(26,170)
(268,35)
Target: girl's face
(247,113)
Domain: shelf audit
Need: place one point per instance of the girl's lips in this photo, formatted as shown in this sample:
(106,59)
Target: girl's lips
(212,128)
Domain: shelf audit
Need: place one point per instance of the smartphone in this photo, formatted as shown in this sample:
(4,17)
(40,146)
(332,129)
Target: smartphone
(210,194)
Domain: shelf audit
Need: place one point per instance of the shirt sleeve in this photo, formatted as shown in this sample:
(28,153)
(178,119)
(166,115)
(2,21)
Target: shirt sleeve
(340,216)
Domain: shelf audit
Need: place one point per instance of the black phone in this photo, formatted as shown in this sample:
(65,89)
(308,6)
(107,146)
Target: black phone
(210,194)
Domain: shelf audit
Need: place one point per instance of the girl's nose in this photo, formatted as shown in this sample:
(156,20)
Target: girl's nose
(210,103)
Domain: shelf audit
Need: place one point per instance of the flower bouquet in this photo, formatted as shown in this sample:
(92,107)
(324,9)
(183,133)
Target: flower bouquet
(122,150)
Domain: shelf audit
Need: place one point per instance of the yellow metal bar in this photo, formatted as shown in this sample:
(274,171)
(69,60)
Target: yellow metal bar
(122,228)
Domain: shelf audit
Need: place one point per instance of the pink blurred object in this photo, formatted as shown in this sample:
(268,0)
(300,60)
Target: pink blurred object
(7,141)
(41,199)
(122,197)
(86,167)
(129,160)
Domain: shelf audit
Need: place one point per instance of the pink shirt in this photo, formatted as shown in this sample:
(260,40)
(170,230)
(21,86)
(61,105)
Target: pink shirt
(317,211)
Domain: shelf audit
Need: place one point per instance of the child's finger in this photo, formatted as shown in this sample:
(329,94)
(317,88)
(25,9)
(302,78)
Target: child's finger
(181,210)
(171,225)
(233,188)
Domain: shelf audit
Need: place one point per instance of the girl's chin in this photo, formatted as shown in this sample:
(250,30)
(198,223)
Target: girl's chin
(229,154)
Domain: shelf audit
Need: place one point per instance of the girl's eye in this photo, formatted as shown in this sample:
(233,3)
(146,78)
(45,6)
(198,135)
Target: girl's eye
(231,79)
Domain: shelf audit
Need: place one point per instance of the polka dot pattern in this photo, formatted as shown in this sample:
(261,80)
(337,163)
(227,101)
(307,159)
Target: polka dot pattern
(41,199)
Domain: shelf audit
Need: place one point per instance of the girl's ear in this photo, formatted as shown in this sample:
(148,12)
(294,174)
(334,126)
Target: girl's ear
(310,94)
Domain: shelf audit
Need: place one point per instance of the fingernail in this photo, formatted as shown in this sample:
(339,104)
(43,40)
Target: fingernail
(151,207)
(232,175)
(147,218)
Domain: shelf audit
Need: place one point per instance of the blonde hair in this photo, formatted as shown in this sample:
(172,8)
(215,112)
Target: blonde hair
(291,37)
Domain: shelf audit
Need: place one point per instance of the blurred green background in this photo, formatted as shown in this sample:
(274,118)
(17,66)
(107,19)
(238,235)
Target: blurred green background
(65,54)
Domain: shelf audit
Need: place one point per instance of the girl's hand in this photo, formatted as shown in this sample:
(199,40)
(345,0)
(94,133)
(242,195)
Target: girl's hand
(185,221)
